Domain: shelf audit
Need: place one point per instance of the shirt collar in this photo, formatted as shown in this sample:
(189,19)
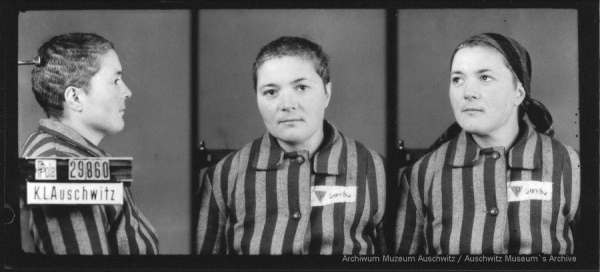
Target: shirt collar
(465,151)
(62,131)
(528,145)
(271,156)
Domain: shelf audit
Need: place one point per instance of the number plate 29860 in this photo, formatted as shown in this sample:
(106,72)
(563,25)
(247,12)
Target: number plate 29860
(89,169)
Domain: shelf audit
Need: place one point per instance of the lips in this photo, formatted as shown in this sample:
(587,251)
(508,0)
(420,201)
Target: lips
(472,110)
(291,120)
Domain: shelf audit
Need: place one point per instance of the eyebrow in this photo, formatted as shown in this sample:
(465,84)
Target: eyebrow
(300,79)
(275,85)
(268,85)
(477,72)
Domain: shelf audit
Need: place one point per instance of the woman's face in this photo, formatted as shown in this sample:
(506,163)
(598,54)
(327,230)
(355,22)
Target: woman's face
(484,94)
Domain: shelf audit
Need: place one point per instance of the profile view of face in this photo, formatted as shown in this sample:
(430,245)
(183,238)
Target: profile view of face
(104,101)
(292,98)
(483,92)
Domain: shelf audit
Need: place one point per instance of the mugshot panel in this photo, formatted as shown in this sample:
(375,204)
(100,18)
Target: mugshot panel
(229,41)
(153,48)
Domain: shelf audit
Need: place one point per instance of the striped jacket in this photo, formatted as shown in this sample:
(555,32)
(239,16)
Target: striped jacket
(80,229)
(460,199)
(262,200)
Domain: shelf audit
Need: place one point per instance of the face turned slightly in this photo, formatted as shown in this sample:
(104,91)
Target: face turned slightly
(292,98)
(483,92)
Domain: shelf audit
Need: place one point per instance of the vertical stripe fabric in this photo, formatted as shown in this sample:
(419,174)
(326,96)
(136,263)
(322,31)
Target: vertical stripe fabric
(262,200)
(81,229)
(461,199)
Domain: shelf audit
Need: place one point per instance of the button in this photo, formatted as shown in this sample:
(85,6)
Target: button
(493,211)
(299,160)
(495,155)
(296,215)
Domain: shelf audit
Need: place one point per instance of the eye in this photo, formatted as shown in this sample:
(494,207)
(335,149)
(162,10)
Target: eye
(270,92)
(486,78)
(116,81)
(456,80)
(301,87)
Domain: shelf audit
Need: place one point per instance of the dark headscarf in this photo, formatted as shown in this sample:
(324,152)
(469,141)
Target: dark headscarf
(520,63)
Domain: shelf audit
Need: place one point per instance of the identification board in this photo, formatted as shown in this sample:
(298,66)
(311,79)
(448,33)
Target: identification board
(75,181)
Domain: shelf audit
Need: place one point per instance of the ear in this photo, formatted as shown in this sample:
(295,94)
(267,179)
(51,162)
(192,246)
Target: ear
(73,98)
(520,94)
(327,93)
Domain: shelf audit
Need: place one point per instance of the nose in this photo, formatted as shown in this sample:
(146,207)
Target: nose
(287,100)
(470,90)
(127,91)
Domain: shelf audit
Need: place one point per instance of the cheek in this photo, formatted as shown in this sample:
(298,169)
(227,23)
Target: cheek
(112,107)
(503,104)
(316,102)
(110,103)
(265,109)
(314,105)
(454,100)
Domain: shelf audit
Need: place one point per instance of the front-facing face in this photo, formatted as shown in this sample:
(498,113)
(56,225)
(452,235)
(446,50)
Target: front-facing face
(483,93)
(103,105)
(292,99)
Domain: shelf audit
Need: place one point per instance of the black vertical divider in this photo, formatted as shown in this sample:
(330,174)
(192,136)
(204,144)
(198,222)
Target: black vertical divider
(194,122)
(9,131)
(589,151)
(391,121)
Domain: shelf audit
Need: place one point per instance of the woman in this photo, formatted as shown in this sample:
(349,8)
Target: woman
(494,183)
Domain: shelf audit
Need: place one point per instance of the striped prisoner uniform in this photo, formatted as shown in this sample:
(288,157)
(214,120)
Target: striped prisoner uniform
(262,200)
(80,229)
(461,199)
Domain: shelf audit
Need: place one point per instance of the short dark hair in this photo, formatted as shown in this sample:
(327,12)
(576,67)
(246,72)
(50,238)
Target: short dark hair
(66,60)
(294,46)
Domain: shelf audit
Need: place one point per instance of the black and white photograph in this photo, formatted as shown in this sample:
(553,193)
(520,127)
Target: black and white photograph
(300,135)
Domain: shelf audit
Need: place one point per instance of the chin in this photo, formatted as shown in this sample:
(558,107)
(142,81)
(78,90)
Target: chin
(471,128)
(288,137)
(291,139)
(476,131)
(117,128)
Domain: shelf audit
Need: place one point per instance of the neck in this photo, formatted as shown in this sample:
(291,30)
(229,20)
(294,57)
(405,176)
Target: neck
(311,144)
(91,135)
(505,138)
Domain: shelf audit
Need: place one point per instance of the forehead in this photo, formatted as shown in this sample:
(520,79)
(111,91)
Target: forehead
(286,66)
(477,58)
(109,62)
